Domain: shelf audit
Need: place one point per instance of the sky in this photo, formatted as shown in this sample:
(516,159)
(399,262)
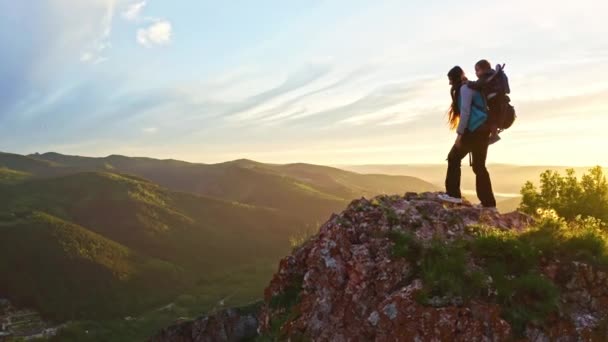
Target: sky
(317,81)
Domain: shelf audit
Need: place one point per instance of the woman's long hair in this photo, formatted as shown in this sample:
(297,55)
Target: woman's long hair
(455,76)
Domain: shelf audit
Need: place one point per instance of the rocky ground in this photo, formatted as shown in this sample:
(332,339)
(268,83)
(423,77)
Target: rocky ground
(234,324)
(411,268)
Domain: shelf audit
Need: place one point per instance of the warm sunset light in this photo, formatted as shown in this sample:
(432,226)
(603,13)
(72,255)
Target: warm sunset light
(303,170)
(327,82)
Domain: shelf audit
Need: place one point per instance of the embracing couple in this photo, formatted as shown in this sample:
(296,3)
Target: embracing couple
(479,111)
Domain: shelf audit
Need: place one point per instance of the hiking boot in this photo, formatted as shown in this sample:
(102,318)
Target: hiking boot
(450,199)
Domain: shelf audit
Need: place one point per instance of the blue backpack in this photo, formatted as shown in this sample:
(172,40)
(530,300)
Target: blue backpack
(479,112)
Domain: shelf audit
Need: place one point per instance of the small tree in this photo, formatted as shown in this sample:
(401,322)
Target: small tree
(568,196)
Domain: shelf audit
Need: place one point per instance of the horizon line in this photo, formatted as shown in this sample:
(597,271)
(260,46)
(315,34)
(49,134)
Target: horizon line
(341,165)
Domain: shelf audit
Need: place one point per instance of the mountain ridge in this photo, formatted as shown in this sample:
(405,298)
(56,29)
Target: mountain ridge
(310,191)
(242,222)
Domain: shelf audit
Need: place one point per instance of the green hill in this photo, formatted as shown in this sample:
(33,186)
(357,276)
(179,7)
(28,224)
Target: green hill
(309,192)
(346,184)
(66,271)
(144,233)
(74,244)
(32,166)
(8,176)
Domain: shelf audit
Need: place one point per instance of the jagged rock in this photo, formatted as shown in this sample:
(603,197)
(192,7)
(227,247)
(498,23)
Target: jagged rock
(352,289)
(346,284)
(230,325)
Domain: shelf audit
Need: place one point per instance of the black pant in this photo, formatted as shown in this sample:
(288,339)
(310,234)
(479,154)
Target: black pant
(475,143)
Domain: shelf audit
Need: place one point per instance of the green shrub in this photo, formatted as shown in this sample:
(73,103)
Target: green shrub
(285,303)
(506,250)
(527,299)
(444,271)
(289,297)
(512,260)
(503,266)
(391,216)
(567,195)
(405,245)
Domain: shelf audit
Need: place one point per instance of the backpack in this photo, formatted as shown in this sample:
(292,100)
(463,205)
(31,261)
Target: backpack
(508,115)
(479,112)
(496,92)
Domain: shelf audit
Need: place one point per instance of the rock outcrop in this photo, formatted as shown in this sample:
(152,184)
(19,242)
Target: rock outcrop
(371,274)
(233,325)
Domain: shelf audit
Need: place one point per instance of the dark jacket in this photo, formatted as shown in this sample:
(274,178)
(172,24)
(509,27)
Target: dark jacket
(490,83)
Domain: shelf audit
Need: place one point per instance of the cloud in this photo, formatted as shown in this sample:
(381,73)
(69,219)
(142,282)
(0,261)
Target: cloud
(236,113)
(397,102)
(286,108)
(133,12)
(88,57)
(60,37)
(150,130)
(93,54)
(158,33)
(297,80)
(366,109)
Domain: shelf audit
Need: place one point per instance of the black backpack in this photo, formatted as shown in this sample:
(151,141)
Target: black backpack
(496,92)
(508,115)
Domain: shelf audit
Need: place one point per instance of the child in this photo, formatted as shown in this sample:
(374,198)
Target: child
(494,85)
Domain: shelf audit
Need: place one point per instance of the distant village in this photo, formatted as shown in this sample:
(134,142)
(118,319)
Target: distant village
(22,323)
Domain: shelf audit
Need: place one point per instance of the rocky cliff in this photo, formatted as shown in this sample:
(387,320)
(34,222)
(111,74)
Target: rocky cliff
(234,324)
(410,268)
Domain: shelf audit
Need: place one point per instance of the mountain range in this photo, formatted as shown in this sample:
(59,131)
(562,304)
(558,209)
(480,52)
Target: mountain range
(96,238)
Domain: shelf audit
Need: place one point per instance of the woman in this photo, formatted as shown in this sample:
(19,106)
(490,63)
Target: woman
(468,115)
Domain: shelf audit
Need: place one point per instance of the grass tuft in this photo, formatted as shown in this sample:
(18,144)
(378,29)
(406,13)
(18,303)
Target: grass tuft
(503,267)
(405,245)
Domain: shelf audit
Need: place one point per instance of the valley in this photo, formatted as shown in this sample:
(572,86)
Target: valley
(94,241)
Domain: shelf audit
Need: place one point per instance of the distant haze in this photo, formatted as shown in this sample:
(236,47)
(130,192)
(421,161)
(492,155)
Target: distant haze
(507,180)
